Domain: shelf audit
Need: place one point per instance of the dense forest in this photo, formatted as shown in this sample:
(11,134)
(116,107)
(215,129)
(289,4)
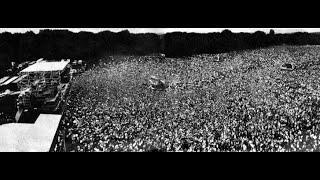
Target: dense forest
(64,44)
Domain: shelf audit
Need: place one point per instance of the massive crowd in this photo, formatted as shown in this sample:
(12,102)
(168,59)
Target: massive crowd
(228,102)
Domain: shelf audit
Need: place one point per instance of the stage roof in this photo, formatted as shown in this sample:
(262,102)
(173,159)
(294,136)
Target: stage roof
(43,66)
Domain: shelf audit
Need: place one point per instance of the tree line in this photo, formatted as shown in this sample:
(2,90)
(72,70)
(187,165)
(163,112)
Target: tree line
(64,44)
(186,44)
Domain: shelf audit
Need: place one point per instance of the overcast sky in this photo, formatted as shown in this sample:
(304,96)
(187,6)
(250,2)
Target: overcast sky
(165,30)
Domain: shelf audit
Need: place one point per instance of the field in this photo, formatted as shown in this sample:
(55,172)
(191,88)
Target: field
(244,102)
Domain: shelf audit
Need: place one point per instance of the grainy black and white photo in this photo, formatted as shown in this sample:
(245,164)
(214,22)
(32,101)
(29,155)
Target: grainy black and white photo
(159,89)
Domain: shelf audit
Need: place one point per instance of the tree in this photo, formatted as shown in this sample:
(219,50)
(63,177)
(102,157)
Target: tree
(271,32)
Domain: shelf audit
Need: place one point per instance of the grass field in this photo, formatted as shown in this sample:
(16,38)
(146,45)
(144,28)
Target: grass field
(244,102)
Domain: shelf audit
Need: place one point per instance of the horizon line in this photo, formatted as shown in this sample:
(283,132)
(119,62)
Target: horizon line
(161,31)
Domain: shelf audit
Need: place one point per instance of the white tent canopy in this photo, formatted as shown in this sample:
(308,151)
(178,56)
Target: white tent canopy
(4,79)
(37,137)
(10,80)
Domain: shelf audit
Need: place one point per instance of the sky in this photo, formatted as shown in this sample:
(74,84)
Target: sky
(165,30)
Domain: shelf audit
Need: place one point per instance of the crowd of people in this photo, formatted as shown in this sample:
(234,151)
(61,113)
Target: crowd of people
(228,102)
(6,118)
